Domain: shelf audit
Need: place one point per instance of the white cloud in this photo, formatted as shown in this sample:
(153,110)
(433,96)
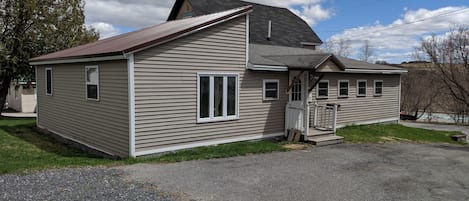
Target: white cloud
(405,33)
(112,17)
(105,30)
(309,10)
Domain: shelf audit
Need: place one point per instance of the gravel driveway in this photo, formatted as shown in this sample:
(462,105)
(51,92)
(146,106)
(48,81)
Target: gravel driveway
(342,172)
(75,184)
(391,171)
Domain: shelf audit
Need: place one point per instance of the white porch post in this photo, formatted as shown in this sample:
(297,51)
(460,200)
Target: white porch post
(306,105)
(334,119)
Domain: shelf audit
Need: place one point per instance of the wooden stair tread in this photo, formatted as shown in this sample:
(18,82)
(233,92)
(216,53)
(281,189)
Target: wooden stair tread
(326,138)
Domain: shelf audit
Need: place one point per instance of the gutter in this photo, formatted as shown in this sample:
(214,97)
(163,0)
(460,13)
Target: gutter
(375,71)
(78,60)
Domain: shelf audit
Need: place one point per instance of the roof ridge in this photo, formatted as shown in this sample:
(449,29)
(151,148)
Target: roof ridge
(260,4)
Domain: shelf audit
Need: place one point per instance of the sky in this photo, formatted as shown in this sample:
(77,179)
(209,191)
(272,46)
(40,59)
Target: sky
(393,28)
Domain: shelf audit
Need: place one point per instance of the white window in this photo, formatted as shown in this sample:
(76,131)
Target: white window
(92,82)
(361,87)
(271,89)
(378,88)
(323,89)
(343,86)
(296,91)
(49,81)
(217,97)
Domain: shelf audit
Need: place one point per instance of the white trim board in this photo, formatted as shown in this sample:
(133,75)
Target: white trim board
(370,122)
(131,95)
(208,143)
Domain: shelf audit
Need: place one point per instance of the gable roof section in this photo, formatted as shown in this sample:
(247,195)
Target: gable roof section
(262,57)
(144,38)
(287,28)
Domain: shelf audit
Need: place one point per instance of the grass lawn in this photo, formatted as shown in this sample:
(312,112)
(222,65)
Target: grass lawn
(393,132)
(23,149)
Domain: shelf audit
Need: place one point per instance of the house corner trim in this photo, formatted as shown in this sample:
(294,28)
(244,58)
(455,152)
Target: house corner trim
(131,92)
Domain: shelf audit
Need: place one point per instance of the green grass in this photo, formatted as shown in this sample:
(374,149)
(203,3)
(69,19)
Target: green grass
(23,149)
(393,132)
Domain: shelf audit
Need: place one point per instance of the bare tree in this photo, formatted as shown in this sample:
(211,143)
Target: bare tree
(366,51)
(450,55)
(419,91)
(341,47)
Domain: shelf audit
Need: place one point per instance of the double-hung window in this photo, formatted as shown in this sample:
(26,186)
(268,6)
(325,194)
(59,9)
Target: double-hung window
(271,89)
(361,88)
(49,81)
(323,89)
(378,88)
(343,86)
(217,97)
(92,82)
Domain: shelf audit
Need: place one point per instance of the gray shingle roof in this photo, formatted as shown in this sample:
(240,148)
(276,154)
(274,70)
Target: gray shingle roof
(304,58)
(287,28)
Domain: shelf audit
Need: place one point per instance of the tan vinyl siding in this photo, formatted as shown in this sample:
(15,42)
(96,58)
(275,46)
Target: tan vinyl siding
(354,110)
(102,124)
(166,90)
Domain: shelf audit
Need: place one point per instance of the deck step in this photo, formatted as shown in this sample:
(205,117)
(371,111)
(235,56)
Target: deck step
(318,133)
(326,140)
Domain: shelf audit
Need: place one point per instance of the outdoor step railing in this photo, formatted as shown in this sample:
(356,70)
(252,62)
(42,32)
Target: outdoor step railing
(325,117)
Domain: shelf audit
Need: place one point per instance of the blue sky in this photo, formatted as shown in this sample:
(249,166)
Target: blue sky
(393,28)
(350,14)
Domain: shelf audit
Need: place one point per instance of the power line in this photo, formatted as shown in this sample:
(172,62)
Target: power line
(407,23)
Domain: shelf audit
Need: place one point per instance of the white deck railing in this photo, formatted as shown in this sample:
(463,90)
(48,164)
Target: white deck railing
(325,117)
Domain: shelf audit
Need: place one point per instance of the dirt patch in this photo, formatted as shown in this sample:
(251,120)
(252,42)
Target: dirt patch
(296,146)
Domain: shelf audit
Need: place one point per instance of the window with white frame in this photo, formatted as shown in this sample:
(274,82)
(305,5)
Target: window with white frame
(217,97)
(92,82)
(49,81)
(323,89)
(296,90)
(343,86)
(361,87)
(271,89)
(378,88)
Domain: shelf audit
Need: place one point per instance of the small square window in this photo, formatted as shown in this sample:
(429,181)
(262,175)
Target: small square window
(343,88)
(92,82)
(361,88)
(271,89)
(378,88)
(323,89)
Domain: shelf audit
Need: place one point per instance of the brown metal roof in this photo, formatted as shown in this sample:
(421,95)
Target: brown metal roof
(144,38)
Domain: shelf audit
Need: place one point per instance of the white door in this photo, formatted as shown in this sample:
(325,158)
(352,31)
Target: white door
(296,107)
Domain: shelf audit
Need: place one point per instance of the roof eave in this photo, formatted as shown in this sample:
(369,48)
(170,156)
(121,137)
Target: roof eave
(375,71)
(88,58)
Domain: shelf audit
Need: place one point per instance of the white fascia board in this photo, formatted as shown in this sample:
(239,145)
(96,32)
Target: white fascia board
(78,60)
(375,71)
(267,68)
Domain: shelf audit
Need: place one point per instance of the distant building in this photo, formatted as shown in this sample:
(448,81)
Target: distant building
(22,96)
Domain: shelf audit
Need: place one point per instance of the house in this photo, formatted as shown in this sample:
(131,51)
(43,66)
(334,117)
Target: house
(22,96)
(203,81)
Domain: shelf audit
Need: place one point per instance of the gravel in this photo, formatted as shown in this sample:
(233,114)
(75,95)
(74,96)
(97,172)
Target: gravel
(76,184)
(378,172)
